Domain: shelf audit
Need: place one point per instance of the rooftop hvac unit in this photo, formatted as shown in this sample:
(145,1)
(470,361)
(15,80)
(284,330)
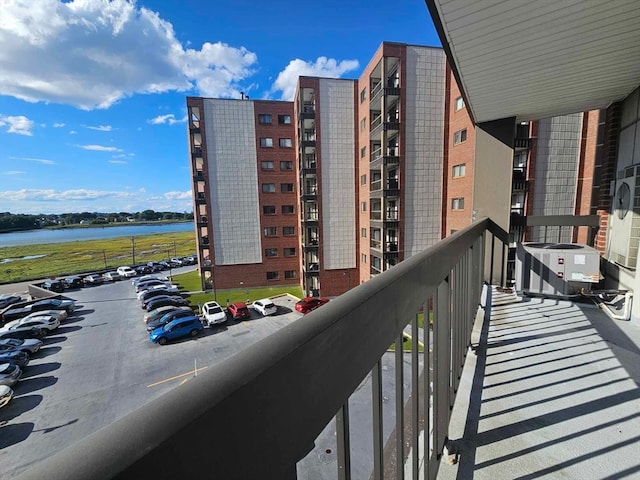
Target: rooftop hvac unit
(556,268)
(624,221)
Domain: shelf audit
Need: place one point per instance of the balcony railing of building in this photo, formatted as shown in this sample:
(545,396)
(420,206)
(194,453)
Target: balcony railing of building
(554,228)
(375,215)
(261,410)
(522,143)
(310,216)
(377,244)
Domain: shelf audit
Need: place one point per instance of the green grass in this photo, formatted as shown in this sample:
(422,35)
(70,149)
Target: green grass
(61,259)
(406,344)
(190,282)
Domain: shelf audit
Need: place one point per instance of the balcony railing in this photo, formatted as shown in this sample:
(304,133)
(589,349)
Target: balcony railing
(259,412)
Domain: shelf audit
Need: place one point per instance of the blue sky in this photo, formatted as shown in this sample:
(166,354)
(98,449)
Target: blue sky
(92,92)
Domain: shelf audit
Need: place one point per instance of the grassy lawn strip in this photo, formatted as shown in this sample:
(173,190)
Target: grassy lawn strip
(406,344)
(190,282)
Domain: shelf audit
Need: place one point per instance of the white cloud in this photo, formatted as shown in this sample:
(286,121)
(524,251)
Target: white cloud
(100,128)
(49,195)
(100,148)
(112,50)
(178,195)
(14,172)
(17,124)
(119,162)
(323,67)
(58,125)
(72,132)
(43,161)
(168,119)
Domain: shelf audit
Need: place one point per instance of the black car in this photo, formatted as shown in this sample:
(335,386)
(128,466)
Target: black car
(53,304)
(6,300)
(54,285)
(165,301)
(143,269)
(35,332)
(16,313)
(73,281)
(18,357)
(168,317)
(149,294)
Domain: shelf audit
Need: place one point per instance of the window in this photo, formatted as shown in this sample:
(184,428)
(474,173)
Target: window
(287,209)
(284,119)
(363,179)
(363,152)
(459,103)
(272,275)
(457,203)
(363,206)
(363,124)
(264,118)
(288,274)
(285,143)
(363,232)
(270,252)
(269,209)
(266,142)
(266,165)
(363,95)
(458,170)
(286,187)
(460,136)
(288,230)
(364,258)
(268,188)
(289,251)
(286,165)
(270,231)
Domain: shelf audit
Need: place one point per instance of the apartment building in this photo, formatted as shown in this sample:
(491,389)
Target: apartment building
(245,192)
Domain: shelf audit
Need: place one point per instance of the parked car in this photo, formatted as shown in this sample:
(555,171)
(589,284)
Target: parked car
(45,322)
(213,313)
(15,313)
(6,300)
(169,317)
(265,307)
(54,285)
(126,271)
(143,269)
(9,373)
(309,304)
(155,266)
(6,394)
(59,314)
(93,279)
(35,332)
(238,311)
(164,300)
(54,304)
(159,312)
(177,261)
(111,276)
(146,278)
(73,281)
(181,327)
(169,289)
(150,283)
(19,358)
(30,345)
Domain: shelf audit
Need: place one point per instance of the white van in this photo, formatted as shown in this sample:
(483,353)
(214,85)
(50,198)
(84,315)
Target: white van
(126,271)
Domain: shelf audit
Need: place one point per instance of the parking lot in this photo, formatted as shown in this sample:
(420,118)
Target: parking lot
(100,365)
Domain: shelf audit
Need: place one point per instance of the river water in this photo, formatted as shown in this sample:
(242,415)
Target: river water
(33,237)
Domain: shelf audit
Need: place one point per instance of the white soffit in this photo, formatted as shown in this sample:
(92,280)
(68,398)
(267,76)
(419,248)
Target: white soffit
(536,59)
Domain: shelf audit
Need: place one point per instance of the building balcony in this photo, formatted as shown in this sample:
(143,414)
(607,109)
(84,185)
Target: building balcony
(201,198)
(376,244)
(198,175)
(309,193)
(522,143)
(392,89)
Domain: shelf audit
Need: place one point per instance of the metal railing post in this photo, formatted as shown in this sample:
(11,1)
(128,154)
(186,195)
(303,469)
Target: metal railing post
(343,444)
(399,354)
(415,399)
(376,402)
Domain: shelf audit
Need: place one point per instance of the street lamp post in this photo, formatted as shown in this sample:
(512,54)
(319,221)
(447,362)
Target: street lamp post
(133,250)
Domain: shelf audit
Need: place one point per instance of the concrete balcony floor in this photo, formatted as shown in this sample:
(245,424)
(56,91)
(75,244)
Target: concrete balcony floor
(552,392)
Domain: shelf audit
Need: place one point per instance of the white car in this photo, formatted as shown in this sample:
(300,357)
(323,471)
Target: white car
(45,322)
(265,307)
(29,345)
(126,272)
(168,288)
(6,394)
(111,276)
(213,313)
(59,314)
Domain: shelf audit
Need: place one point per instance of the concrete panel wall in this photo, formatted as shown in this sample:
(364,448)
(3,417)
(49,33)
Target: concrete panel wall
(424,145)
(338,173)
(231,157)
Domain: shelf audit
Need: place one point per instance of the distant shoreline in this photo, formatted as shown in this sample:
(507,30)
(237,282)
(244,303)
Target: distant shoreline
(97,225)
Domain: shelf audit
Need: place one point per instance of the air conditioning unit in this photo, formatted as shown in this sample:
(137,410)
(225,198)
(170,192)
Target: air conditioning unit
(558,269)
(624,221)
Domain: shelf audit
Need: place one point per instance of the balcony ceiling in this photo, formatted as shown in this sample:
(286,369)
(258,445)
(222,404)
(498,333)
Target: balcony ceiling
(536,59)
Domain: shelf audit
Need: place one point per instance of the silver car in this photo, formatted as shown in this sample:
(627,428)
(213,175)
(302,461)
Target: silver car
(9,374)
(6,394)
(29,345)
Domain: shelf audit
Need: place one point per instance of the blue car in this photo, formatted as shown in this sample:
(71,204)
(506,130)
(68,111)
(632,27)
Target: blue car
(182,327)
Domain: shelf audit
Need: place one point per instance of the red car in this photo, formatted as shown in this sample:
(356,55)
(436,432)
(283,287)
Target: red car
(308,304)
(238,311)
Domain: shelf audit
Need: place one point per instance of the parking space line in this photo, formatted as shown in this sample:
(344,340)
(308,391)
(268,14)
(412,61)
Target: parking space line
(176,377)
